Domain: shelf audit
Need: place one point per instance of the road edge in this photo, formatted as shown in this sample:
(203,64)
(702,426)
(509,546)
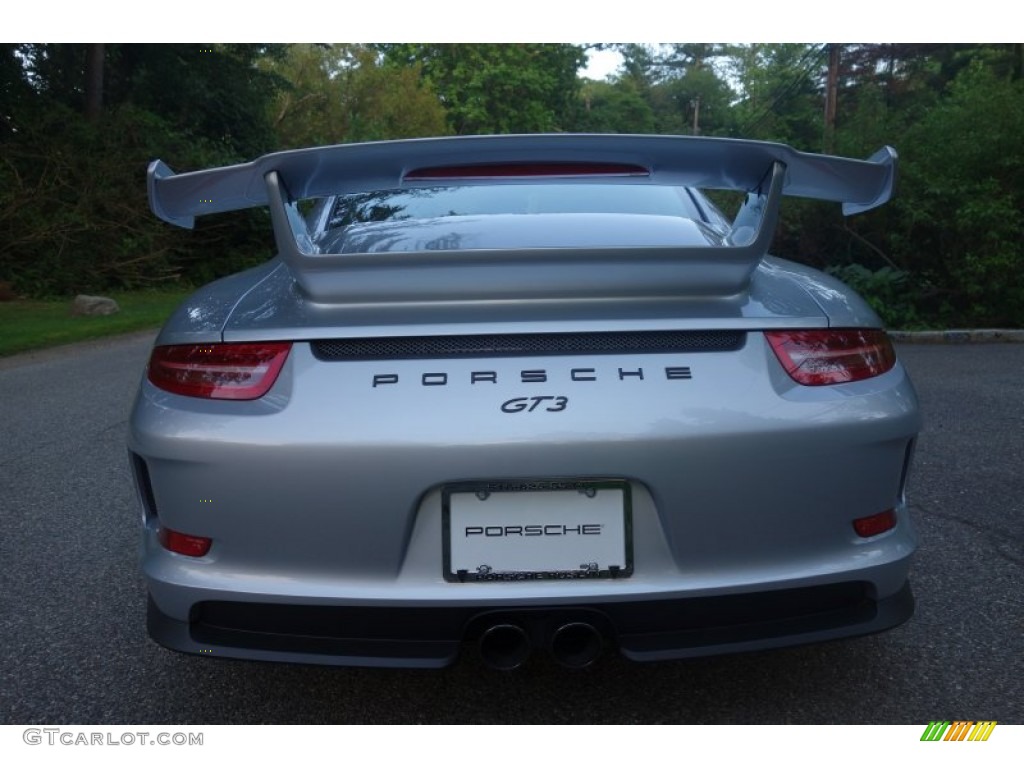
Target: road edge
(960,336)
(47,354)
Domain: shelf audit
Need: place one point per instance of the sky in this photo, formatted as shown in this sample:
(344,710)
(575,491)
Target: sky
(600,64)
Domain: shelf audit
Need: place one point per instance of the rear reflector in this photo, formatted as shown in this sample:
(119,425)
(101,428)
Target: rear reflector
(183,544)
(218,371)
(875,524)
(525,171)
(833,356)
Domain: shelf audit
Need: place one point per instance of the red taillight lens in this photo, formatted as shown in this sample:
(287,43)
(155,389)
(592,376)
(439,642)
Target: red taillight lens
(875,524)
(183,544)
(815,358)
(218,371)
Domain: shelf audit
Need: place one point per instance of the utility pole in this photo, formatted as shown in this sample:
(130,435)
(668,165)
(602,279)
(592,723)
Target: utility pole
(831,94)
(696,116)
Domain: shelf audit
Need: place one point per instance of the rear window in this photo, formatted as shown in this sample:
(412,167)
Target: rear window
(437,202)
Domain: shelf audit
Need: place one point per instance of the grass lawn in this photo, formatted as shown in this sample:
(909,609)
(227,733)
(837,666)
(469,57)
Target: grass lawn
(27,325)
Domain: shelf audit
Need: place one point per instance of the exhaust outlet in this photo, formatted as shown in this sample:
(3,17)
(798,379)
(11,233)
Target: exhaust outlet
(505,646)
(576,645)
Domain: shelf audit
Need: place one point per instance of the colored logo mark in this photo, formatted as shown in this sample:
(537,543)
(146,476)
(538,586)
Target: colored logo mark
(958,730)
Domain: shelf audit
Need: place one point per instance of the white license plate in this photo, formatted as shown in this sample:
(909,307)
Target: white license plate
(533,530)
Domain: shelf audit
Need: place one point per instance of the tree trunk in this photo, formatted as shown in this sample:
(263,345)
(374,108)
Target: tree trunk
(93,81)
(831,97)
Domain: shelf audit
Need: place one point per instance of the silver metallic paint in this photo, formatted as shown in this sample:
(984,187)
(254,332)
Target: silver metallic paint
(343,516)
(684,161)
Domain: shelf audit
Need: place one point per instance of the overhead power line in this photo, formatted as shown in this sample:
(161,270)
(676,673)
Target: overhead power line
(814,56)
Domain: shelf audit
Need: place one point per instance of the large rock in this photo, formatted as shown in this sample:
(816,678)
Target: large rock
(93,305)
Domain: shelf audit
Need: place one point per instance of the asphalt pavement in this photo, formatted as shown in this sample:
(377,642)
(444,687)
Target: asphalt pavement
(73,647)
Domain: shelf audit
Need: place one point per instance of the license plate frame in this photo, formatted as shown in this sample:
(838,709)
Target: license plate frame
(578,529)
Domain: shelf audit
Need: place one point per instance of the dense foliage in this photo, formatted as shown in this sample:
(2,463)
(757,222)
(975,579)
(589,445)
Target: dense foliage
(79,123)
(73,208)
(492,88)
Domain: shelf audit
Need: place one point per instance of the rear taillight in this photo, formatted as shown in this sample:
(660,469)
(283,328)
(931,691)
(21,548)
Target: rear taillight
(183,543)
(875,524)
(834,356)
(218,371)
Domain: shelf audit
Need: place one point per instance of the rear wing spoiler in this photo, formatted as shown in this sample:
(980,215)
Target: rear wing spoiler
(765,171)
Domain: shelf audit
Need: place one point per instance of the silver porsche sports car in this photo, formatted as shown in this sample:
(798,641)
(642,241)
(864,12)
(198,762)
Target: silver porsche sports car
(525,392)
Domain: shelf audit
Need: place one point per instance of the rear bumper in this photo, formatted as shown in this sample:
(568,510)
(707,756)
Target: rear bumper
(325,504)
(647,630)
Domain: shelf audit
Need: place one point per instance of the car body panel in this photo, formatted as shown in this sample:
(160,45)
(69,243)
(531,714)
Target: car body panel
(717,432)
(277,309)
(264,303)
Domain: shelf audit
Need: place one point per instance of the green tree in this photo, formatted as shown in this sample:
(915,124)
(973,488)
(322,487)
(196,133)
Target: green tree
(342,93)
(613,107)
(499,88)
(73,208)
(962,199)
(640,65)
(215,92)
(781,95)
(681,85)
(695,101)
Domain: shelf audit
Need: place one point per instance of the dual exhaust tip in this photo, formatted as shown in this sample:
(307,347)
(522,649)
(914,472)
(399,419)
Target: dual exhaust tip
(507,646)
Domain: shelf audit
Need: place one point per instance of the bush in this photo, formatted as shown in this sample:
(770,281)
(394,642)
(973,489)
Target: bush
(75,216)
(961,202)
(886,290)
